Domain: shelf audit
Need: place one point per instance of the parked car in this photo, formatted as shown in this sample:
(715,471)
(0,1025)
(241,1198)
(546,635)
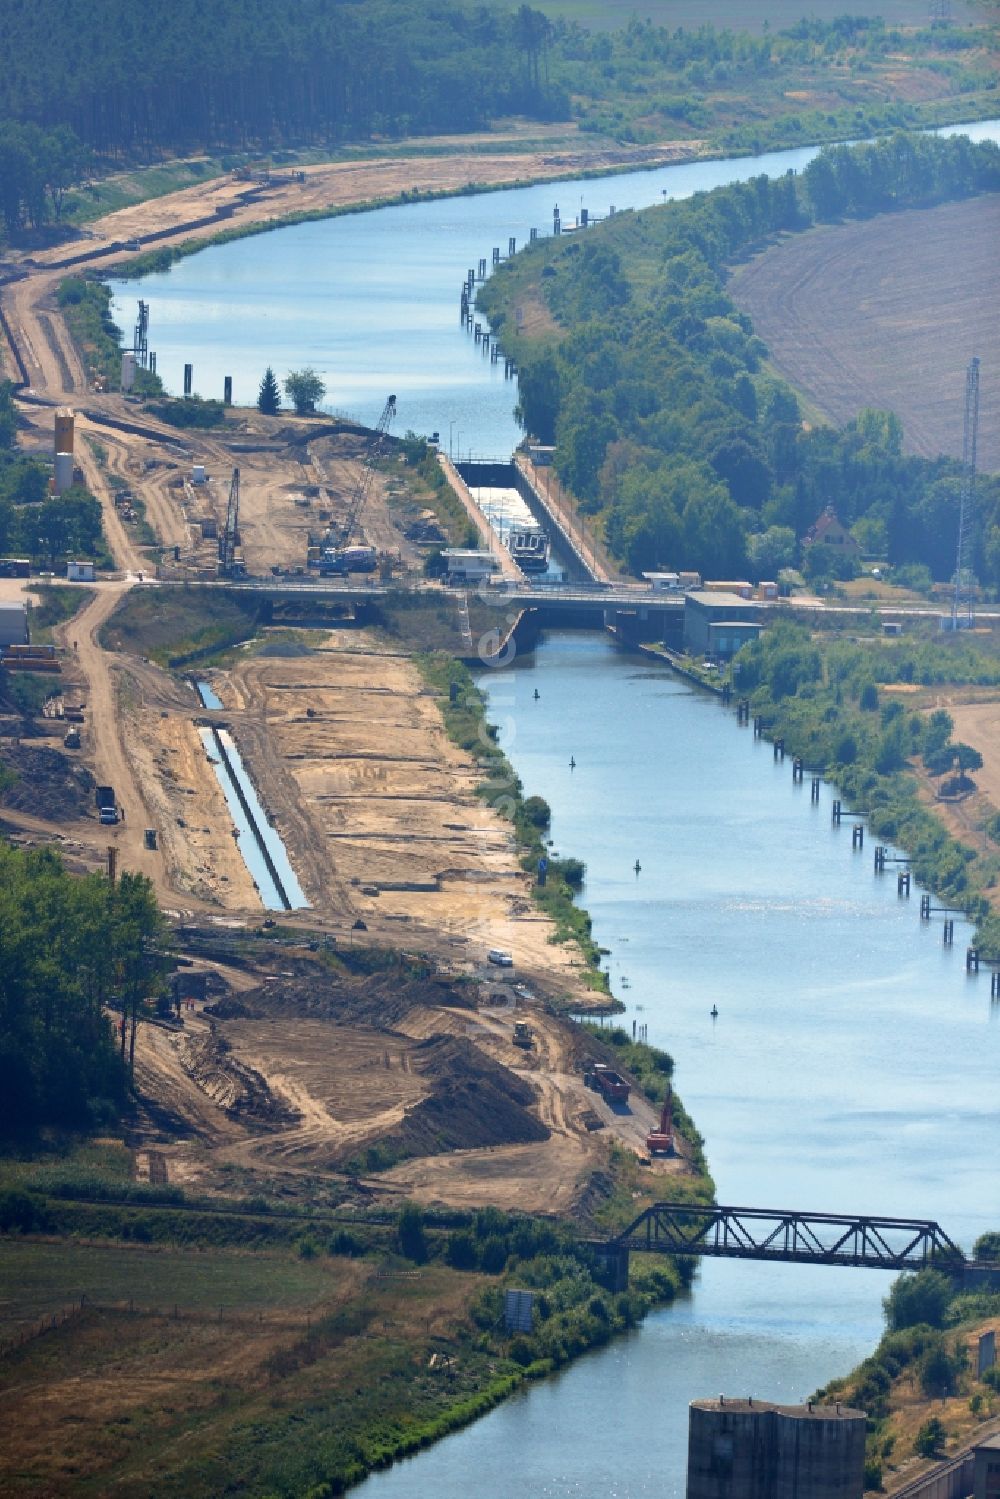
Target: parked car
(501,958)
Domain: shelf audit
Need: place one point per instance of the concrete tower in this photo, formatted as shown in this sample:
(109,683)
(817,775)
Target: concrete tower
(750,1449)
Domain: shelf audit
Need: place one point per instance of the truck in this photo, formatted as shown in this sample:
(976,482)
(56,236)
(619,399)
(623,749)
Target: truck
(603,1079)
(107,805)
(522,1035)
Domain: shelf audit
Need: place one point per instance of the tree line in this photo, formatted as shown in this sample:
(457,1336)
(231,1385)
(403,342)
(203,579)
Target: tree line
(668,425)
(37,167)
(196,73)
(70,947)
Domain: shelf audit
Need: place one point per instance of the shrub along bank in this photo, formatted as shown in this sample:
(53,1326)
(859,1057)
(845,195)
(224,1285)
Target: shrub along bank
(463,708)
(917,1389)
(825,699)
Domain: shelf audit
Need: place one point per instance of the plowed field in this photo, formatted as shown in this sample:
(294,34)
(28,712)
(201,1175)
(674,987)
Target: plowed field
(887,312)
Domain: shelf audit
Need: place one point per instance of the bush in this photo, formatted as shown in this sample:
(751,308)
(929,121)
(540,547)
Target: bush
(930,1438)
(410,1234)
(537,811)
(344,1242)
(873,1474)
(939,1370)
(20,1213)
(917,1299)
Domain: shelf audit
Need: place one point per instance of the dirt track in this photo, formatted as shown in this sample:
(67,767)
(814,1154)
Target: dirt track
(349,755)
(887,312)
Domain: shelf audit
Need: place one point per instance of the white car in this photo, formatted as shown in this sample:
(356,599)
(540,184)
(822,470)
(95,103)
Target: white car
(501,958)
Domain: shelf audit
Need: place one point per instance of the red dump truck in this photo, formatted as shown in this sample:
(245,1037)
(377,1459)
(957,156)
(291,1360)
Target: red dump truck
(603,1079)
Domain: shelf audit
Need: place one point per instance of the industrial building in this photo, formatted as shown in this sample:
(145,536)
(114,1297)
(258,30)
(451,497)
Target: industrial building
(751,1449)
(717,624)
(13,624)
(986,1474)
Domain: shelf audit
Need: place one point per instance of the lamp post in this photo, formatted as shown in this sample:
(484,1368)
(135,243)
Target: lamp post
(451,428)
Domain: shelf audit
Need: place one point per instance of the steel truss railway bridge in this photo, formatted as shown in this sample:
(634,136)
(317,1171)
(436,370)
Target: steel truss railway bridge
(781,1236)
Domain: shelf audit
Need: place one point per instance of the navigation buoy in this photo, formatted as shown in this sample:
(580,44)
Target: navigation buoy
(572,763)
(637,866)
(714,1013)
(537,694)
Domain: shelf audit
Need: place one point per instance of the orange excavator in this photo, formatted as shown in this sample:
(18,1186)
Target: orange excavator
(662,1140)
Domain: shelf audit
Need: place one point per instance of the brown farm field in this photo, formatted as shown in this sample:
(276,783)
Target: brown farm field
(736,15)
(887,312)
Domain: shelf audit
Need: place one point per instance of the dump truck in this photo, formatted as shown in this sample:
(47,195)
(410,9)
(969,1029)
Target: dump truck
(603,1079)
(104,796)
(522,1035)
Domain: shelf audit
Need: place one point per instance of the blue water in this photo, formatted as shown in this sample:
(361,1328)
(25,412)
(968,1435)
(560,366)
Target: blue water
(249,847)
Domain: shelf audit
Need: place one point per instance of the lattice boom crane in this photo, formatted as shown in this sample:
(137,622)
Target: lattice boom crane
(230,537)
(962,603)
(364,484)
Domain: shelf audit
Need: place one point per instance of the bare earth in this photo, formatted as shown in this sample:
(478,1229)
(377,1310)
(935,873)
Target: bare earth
(887,312)
(346,746)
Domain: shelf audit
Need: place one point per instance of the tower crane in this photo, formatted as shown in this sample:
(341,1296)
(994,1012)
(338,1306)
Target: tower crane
(229,540)
(341,537)
(962,603)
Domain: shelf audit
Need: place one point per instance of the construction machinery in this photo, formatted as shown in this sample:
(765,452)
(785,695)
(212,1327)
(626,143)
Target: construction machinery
(961,609)
(661,1141)
(522,1035)
(338,538)
(230,566)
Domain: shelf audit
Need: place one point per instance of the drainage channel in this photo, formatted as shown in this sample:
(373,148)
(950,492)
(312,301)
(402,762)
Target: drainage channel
(263,852)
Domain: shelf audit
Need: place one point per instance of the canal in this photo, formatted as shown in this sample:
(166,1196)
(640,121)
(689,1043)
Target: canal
(851,1065)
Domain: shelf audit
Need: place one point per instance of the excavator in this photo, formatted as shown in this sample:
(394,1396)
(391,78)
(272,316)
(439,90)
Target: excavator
(661,1141)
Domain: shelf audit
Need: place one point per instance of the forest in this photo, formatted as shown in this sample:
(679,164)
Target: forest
(85,86)
(669,425)
(71,946)
(200,72)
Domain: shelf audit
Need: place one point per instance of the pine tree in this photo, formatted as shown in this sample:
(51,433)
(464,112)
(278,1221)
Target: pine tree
(269,398)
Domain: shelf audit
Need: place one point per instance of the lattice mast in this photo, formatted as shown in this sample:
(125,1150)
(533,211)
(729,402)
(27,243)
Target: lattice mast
(364,484)
(962,602)
(230,538)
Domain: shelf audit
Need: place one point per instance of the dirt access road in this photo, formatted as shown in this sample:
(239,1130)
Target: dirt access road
(886,312)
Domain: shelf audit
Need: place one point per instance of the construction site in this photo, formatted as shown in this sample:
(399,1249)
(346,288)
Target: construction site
(306,822)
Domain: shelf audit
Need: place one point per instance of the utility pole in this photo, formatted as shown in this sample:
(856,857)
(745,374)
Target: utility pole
(962,601)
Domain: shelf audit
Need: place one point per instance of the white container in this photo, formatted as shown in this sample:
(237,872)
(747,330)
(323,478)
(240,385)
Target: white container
(197,473)
(128,370)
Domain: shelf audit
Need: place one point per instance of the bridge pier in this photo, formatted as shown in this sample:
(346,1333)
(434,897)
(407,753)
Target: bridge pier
(611,1264)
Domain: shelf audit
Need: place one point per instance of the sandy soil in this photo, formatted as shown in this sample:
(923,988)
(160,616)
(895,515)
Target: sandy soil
(978,724)
(377,796)
(346,184)
(887,312)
